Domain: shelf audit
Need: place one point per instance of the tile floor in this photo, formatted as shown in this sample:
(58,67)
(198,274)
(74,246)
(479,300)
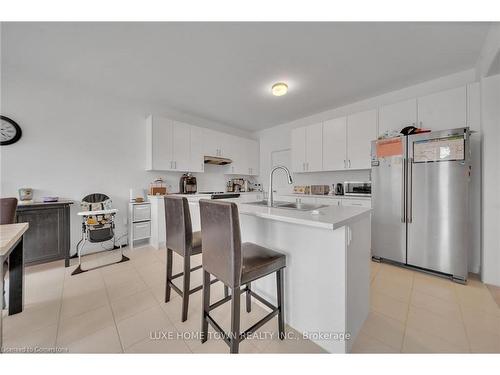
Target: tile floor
(412,312)
(114,309)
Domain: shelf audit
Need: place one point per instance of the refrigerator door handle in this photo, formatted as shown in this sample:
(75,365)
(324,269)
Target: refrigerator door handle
(403,195)
(410,190)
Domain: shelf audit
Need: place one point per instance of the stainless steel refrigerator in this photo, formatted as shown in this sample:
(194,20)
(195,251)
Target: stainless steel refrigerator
(420,200)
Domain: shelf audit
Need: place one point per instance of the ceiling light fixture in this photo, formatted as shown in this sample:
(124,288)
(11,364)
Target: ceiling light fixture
(279,89)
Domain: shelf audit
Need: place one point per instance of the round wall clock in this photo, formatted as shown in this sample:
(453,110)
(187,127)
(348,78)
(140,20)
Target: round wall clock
(10,131)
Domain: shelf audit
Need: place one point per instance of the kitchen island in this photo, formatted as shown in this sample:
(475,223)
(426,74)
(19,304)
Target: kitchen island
(327,278)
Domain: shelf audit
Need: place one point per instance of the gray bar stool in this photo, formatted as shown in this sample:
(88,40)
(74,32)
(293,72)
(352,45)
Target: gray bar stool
(181,239)
(235,264)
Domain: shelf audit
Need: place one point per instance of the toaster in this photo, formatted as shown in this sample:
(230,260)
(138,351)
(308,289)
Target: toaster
(320,189)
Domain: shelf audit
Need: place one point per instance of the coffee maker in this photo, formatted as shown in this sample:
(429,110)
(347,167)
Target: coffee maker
(187,184)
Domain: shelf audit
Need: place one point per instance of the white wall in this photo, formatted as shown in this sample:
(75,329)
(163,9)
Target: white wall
(278,138)
(490,100)
(76,142)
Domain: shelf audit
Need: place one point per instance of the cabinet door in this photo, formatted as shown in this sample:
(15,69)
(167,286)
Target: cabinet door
(361,130)
(211,142)
(357,203)
(314,148)
(328,201)
(298,149)
(397,116)
(443,110)
(334,144)
(197,150)
(236,150)
(161,144)
(44,240)
(181,139)
(253,150)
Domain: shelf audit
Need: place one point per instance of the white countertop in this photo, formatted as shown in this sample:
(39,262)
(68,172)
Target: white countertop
(329,217)
(328,196)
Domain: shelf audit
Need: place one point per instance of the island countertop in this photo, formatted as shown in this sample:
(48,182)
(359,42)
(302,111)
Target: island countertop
(328,217)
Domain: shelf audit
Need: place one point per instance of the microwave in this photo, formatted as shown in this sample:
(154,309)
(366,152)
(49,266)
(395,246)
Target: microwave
(357,188)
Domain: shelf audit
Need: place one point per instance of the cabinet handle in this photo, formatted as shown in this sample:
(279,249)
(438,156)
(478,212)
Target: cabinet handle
(349,163)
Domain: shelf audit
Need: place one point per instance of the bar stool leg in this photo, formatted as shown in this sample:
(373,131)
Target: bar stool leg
(186,287)
(249,298)
(235,320)
(206,306)
(168,288)
(281,320)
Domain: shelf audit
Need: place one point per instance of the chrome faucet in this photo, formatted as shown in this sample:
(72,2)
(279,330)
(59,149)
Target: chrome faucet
(270,201)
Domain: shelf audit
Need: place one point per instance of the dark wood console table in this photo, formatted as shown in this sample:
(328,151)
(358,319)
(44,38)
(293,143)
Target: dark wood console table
(48,236)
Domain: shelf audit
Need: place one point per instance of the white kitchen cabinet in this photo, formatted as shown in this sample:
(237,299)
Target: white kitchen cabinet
(298,143)
(236,150)
(181,146)
(177,146)
(197,159)
(397,116)
(252,154)
(218,143)
(159,143)
(168,145)
(307,146)
(212,142)
(334,144)
(443,110)
(361,130)
(327,201)
(314,148)
(357,203)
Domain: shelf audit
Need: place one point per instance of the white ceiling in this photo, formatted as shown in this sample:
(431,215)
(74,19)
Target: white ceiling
(224,71)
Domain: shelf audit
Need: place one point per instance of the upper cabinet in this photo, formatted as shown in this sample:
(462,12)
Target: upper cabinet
(245,156)
(177,146)
(334,144)
(361,130)
(298,141)
(443,110)
(197,157)
(439,111)
(397,116)
(168,145)
(307,146)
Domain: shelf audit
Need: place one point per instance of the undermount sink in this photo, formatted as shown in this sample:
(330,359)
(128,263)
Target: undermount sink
(289,205)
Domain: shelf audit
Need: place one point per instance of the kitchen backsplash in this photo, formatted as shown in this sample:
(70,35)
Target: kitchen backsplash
(327,178)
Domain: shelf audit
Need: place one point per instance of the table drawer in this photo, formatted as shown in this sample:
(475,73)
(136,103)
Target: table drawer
(141,212)
(141,230)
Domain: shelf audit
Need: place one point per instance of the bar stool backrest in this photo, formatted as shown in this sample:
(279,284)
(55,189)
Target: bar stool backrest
(221,241)
(8,208)
(179,231)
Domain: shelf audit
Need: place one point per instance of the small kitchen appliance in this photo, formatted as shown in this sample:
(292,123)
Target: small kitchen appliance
(187,184)
(339,189)
(358,189)
(320,189)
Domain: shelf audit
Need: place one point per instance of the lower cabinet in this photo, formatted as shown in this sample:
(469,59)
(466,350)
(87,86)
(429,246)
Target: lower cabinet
(48,236)
(327,200)
(357,203)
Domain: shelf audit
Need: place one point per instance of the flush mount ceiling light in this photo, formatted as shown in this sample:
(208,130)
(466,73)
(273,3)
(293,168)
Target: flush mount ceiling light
(279,89)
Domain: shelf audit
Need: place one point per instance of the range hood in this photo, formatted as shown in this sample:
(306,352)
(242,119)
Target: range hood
(217,160)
